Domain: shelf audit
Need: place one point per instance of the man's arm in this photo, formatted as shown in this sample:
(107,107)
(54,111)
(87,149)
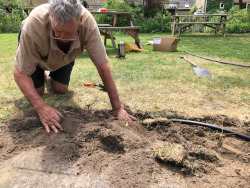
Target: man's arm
(49,116)
(110,87)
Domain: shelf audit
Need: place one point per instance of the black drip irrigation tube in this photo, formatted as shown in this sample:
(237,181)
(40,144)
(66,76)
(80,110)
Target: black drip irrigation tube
(218,60)
(240,135)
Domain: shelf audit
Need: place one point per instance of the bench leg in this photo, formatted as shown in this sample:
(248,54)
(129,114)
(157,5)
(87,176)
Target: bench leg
(216,30)
(173,32)
(112,38)
(179,30)
(224,30)
(105,37)
(135,34)
(108,35)
(27,12)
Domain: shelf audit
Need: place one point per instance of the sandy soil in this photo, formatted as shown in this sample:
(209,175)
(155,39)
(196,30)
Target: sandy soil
(124,154)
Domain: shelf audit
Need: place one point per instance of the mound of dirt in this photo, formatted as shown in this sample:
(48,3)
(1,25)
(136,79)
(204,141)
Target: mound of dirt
(149,153)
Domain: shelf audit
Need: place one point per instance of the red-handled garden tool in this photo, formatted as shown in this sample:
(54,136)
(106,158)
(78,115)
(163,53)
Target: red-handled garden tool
(94,84)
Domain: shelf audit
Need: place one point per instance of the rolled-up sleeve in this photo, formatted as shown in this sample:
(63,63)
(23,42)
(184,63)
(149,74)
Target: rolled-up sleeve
(95,47)
(27,58)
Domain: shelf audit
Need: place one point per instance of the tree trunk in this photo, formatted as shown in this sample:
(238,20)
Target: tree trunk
(143,8)
(240,4)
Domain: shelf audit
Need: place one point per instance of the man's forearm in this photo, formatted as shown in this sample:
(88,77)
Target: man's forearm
(110,87)
(26,85)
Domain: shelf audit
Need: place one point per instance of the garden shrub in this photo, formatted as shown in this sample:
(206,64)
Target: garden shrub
(11,16)
(238,21)
(158,24)
(238,28)
(238,16)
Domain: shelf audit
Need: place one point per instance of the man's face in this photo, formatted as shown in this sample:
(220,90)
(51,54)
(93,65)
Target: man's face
(65,31)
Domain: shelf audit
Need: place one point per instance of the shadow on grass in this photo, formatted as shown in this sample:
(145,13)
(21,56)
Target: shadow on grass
(198,35)
(51,98)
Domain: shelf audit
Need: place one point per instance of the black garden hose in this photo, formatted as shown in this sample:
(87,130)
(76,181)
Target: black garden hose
(240,135)
(218,60)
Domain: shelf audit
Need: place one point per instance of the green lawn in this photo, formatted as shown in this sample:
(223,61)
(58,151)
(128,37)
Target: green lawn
(153,81)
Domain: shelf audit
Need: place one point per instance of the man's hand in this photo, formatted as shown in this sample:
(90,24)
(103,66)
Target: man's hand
(120,113)
(110,87)
(49,117)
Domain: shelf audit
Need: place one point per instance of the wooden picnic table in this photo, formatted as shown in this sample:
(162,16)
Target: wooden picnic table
(184,21)
(117,14)
(132,30)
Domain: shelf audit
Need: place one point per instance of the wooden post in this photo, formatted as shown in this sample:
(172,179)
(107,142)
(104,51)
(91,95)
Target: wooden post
(179,30)
(174,27)
(143,8)
(240,4)
(224,30)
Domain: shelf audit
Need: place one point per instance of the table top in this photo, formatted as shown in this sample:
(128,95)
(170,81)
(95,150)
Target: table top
(201,15)
(112,12)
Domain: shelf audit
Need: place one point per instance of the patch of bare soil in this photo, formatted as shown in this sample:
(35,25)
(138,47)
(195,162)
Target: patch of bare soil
(145,153)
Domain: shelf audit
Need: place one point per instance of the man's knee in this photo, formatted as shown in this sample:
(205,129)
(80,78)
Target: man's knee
(58,87)
(61,90)
(40,90)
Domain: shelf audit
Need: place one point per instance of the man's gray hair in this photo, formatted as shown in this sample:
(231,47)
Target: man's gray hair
(65,11)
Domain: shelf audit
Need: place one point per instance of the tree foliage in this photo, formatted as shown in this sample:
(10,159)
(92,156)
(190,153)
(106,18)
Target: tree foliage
(11,15)
(84,3)
(214,5)
(153,7)
(154,3)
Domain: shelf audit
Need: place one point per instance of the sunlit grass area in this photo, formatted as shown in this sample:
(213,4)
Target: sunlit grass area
(150,82)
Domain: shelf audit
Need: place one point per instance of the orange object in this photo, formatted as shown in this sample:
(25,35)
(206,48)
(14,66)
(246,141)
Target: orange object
(103,10)
(94,84)
(133,47)
(89,84)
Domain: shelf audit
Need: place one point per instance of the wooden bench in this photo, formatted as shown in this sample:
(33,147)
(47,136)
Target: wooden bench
(28,9)
(133,31)
(107,33)
(184,21)
(106,29)
(108,10)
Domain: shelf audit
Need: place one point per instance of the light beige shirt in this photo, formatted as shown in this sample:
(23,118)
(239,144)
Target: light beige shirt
(36,47)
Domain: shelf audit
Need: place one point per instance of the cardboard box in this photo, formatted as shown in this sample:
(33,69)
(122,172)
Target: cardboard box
(167,44)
